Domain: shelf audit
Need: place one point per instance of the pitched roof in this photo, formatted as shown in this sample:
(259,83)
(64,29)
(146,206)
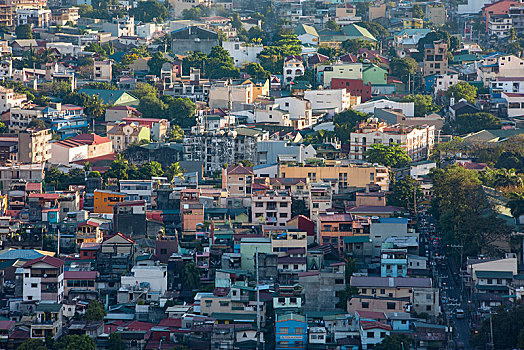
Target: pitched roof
(240,170)
(90,139)
(305,29)
(355,31)
(109,97)
(46,260)
(373,324)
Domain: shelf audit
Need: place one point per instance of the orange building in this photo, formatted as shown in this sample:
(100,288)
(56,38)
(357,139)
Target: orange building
(105,200)
(334,227)
(191,211)
(88,232)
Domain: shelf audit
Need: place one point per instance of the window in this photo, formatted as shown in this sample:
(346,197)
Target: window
(365,305)
(382,291)
(391,306)
(34,285)
(299,330)
(259,204)
(382,334)
(370,334)
(339,281)
(283,215)
(364,291)
(315,205)
(428,308)
(284,330)
(283,205)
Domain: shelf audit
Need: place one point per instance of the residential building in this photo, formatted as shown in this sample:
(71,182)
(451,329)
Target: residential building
(499,26)
(271,208)
(10,99)
(238,180)
(103,71)
(88,232)
(229,95)
(500,65)
(68,151)
(332,101)
(334,227)
(291,331)
(48,321)
(242,53)
(80,280)
(515,103)
(120,26)
(306,34)
(118,113)
(340,71)
(43,279)
(348,175)
(508,84)
(97,146)
(105,200)
(416,141)
(122,135)
(496,8)
(354,87)
(193,38)
(154,277)
(38,18)
(435,58)
(293,69)
(33,146)
(112,97)
(372,333)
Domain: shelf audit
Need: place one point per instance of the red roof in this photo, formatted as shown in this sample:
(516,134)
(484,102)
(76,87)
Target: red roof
(373,315)
(140,326)
(373,325)
(47,260)
(7,324)
(91,139)
(33,186)
(119,234)
(240,170)
(90,246)
(171,322)
(80,275)
(45,195)
(336,217)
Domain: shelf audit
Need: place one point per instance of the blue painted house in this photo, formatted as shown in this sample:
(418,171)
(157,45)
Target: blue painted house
(291,331)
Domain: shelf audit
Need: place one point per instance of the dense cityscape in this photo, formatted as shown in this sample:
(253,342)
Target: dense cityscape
(282,174)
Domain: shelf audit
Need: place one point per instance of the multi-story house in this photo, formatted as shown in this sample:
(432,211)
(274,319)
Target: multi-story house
(271,208)
(346,175)
(331,101)
(39,18)
(88,232)
(191,212)
(499,26)
(291,331)
(435,58)
(293,69)
(230,95)
(221,147)
(284,240)
(43,279)
(104,201)
(508,84)
(499,65)
(122,135)
(516,12)
(339,70)
(393,262)
(238,180)
(157,127)
(333,227)
(241,52)
(80,281)
(144,282)
(120,26)
(48,321)
(33,146)
(496,8)
(10,99)
(416,141)
(103,71)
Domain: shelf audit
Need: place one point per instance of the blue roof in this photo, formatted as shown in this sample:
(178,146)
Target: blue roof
(109,97)
(394,220)
(22,254)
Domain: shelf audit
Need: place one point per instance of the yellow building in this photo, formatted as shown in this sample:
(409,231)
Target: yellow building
(348,175)
(105,200)
(413,23)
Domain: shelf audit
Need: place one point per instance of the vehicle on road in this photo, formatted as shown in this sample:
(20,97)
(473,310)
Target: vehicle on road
(459,313)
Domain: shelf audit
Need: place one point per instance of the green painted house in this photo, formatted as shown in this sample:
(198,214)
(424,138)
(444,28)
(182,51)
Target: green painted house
(113,97)
(374,74)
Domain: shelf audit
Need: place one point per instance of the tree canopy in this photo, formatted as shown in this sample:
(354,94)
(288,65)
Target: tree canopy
(466,123)
(95,311)
(149,11)
(346,122)
(424,104)
(462,90)
(404,192)
(393,156)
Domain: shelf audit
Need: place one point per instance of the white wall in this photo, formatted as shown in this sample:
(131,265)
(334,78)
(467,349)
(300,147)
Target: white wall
(65,155)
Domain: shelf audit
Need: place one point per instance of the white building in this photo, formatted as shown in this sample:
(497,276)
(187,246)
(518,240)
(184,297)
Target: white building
(499,26)
(515,103)
(241,52)
(272,114)
(120,27)
(103,71)
(65,49)
(332,101)
(20,117)
(444,81)
(10,99)
(222,93)
(271,208)
(154,276)
(417,141)
(300,111)
(35,17)
(68,151)
(146,30)
(508,84)
(43,279)
(495,66)
(407,108)
(293,68)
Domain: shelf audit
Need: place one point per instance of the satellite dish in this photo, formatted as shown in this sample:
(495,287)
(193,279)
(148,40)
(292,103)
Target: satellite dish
(45,275)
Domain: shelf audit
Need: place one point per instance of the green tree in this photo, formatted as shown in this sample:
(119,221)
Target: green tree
(196,60)
(256,71)
(99,85)
(149,11)
(508,329)
(175,134)
(354,45)
(272,57)
(181,112)
(95,311)
(174,171)
(404,191)
(395,342)
(150,169)
(462,90)
(403,68)
(376,29)
(156,62)
(32,344)
(393,156)
(424,104)
(118,169)
(298,207)
(93,174)
(3,128)
(191,276)
(24,31)
(75,342)
(116,342)
(143,89)
(346,122)
(418,12)
(332,25)
(220,65)
(36,123)
(466,123)
(193,13)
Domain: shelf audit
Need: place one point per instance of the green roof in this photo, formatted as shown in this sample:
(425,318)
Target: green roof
(48,307)
(491,287)
(357,32)
(357,239)
(494,274)
(305,29)
(112,97)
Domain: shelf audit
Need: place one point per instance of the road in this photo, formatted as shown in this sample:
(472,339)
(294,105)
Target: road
(447,276)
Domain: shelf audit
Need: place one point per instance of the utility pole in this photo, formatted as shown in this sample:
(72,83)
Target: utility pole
(58,244)
(258,301)
(491,342)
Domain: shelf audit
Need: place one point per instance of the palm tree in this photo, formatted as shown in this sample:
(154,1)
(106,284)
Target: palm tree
(174,171)
(507,178)
(191,276)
